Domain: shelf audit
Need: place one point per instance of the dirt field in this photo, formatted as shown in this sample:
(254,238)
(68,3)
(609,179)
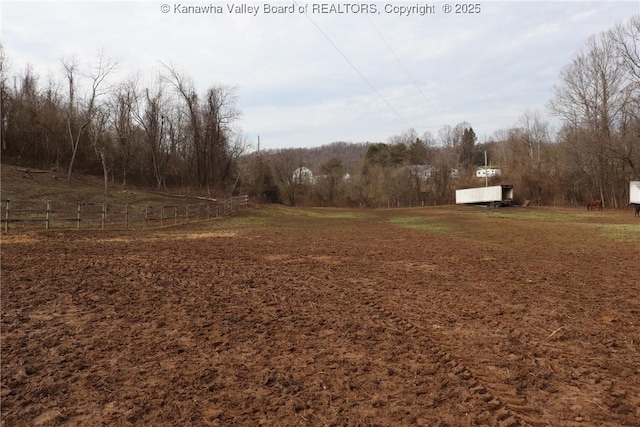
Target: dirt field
(291,317)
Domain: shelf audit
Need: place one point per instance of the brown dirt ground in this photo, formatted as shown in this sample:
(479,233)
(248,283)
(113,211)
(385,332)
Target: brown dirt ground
(296,317)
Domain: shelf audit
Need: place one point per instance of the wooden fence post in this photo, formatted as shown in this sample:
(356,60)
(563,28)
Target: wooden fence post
(219,208)
(48,216)
(7,216)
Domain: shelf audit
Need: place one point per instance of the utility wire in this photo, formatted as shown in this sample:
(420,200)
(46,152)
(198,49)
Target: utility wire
(404,68)
(357,70)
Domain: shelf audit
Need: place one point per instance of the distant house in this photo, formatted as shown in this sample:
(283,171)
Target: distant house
(488,172)
(423,172)
(303,175)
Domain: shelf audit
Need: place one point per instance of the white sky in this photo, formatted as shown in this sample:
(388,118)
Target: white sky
(310,79)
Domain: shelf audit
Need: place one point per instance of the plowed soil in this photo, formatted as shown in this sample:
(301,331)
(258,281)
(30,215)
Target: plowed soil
(300,317)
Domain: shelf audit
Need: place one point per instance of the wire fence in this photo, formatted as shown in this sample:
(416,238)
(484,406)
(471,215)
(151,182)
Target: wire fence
(28,214)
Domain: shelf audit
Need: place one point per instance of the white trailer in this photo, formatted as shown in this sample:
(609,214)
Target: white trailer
(634,193)
(496,195)
(634,196)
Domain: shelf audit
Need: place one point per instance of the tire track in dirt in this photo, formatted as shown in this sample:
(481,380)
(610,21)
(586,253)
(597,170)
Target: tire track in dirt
(441,364)
(536,356)
(488,399)
(573,374)
(492,401)
(494,407)
(548,340)
(545,357)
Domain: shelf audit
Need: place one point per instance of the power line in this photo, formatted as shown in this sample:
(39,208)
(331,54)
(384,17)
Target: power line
(404,68)
(357,70)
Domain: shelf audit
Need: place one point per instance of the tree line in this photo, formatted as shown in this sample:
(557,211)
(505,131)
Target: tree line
(169,134)
(164,133)
(592,154)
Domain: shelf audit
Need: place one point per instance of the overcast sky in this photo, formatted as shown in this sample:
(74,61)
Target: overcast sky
(307,77)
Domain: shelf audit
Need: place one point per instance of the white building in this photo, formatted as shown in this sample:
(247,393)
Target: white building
(423,172)
(303,175)
(488,172)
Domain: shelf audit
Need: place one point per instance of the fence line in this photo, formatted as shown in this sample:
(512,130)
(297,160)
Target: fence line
(103,215)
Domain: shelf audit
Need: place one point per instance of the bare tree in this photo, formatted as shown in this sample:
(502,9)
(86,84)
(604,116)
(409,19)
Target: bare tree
(210,128)
(627,40)
(333,173)
(448,157)
(52,113)
(626,37)
(123,104)
(365,188)
(284,164)
(534,136)
(407,138)
(220,146)
(446,136)
(3,97)
(236,149)
(23,138)
(442,176)
(99,139)
(152,115)
(594,95)
(80,111)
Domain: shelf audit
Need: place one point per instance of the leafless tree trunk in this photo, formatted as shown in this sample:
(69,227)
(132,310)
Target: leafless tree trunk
(123,104)
(154,119)
(98,132)
(79,115)
(54,123)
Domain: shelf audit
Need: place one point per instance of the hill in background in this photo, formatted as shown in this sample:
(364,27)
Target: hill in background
(349,153)
(17,184)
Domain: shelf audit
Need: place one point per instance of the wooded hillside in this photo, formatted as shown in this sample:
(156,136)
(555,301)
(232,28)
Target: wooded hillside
(167,134)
